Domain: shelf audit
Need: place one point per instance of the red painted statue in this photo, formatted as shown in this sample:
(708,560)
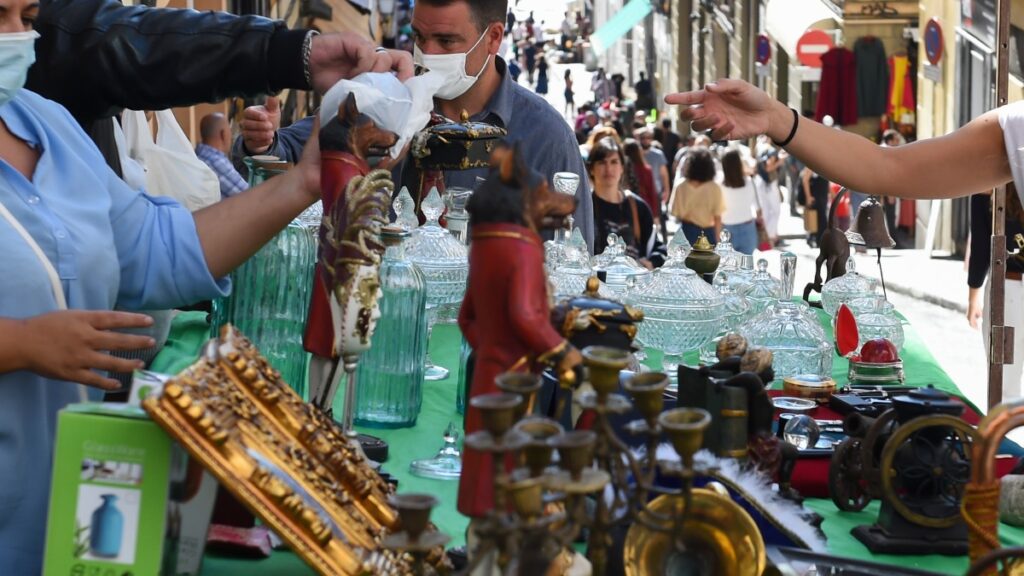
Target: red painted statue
(345,142)
(505,315)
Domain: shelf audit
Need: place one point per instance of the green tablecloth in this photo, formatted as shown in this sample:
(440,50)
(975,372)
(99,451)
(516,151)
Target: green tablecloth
(190,330)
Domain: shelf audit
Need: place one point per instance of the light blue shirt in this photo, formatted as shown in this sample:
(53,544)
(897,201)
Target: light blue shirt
(110,245)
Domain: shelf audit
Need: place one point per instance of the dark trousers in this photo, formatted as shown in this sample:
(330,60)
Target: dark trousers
(692,232)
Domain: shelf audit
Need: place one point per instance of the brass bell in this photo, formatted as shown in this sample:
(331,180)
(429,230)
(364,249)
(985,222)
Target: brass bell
(870,229)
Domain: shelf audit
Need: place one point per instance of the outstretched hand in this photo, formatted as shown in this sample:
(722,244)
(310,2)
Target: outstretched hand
(733,110)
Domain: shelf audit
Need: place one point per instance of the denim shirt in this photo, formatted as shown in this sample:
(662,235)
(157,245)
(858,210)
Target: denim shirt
(110,245)
(546,141)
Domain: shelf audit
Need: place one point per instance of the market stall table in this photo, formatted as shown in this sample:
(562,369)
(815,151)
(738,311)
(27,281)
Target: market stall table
(190,330)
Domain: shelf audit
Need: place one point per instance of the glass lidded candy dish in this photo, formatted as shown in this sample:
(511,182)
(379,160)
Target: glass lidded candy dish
(569,278)
(763,289)
(618,271)
(789,329)
(681,310)
(729,257)
(445,266)
(737,311)
(843,289)
(876,318)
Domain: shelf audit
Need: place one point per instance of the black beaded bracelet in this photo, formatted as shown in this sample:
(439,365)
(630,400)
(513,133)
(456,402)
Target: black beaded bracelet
(792,133)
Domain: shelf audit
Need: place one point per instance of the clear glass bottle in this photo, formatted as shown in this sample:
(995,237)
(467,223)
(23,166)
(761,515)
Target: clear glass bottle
(569,279)
(444,262)
(729,258)
(269,311)
(390,373)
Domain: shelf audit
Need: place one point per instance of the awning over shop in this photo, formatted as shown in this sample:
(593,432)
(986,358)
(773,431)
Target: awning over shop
(787,20)
(623,21)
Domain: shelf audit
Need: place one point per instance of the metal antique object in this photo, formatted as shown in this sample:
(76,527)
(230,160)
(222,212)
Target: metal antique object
(285,460)
(871,231)
(916,458)
(702,258)
(834,253)
(452,145)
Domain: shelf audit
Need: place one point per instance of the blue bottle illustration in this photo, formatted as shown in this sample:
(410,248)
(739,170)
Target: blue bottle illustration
(107,527)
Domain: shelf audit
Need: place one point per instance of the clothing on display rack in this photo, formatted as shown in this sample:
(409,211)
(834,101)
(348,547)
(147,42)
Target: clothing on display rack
(872,76)
(837,94)
(901,90)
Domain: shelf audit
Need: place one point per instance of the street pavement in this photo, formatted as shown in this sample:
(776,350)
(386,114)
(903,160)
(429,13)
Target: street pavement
(930,293)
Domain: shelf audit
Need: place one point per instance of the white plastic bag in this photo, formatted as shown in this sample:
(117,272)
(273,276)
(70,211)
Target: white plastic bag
(172,168)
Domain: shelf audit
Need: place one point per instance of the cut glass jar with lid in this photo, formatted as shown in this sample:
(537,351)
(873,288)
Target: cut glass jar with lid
(876,318)
(843,289)
(445,266)
(620,271)
(764,289)
(729,257)
(570,277)
(736,312)
(741,277)
(681,311)
(791,331)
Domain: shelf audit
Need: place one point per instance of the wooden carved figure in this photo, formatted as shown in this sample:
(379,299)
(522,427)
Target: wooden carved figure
(506,310)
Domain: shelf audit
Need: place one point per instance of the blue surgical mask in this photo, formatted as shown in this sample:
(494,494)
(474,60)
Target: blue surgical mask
(17,54)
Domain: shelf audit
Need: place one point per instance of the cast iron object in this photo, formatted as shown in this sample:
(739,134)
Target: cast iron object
(834,252)
(869,229)
(456,145)
(916,459)
(703,259)
(587,320)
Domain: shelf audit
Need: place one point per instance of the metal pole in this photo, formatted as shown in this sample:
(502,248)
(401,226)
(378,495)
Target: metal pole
(1001,337)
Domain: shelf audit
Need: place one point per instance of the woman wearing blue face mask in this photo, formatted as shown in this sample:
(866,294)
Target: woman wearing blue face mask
(76,241)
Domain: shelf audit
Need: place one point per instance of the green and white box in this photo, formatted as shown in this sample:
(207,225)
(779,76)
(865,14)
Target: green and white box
(125,499)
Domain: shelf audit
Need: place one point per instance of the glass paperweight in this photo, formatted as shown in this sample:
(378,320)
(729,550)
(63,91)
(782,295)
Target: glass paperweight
(843,289)
(801,431)
(876,318)
(736,309)
(268,311)
(569,278)
(405,210)
(390,373)
(764,289)
(619,269)
(729,258)
(447,464)
(445,266)
(681,311)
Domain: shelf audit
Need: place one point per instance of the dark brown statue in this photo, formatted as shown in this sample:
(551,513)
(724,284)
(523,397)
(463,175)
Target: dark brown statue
(834,253)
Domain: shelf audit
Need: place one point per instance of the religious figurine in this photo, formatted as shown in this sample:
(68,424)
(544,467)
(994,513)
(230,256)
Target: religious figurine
(343,308)
(506,310)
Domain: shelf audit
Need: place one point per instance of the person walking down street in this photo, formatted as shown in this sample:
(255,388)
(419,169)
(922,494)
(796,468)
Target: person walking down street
(530,56)
(697,202)
(570,103)
(568,39)
(815,195)
(659,166)
(641,178)
(644,94)
(601,86)
(542,75)
(214,149)
(620,211)
(670,142)
(741,209)
(769,194)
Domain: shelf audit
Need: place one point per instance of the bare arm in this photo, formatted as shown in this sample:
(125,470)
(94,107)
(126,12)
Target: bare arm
(969,160)
(663,174)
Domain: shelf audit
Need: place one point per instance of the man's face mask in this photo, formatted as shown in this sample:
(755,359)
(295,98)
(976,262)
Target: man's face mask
(453,67)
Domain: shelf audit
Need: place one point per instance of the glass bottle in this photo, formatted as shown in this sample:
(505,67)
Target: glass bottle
(570,277)
(269,311)
(444,262)
(390,373)
(729,257)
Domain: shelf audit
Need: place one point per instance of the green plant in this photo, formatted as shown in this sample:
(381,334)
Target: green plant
(81,539)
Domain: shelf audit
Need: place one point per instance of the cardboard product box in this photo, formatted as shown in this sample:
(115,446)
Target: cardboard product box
(125,499)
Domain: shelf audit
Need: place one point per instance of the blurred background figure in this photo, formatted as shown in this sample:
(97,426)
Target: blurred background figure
(741,208)
(214,149)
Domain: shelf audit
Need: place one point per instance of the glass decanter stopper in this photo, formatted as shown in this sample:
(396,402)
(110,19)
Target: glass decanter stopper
(405,210)
(729,258)
(432,207)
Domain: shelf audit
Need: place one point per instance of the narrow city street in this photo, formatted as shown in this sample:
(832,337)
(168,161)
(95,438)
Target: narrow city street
(930,293)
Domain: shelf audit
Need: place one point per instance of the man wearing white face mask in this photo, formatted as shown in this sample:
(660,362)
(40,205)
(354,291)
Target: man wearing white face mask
(461,39)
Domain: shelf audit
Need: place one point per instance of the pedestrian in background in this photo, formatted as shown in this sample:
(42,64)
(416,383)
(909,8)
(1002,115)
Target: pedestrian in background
(569,95)
(697,202)
(742,211)
(214,149)
(542,75)
(769,194)
(641,178)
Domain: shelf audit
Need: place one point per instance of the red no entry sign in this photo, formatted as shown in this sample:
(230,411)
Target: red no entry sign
(811,46)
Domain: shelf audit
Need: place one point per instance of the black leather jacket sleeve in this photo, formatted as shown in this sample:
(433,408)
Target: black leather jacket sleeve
(98,56)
